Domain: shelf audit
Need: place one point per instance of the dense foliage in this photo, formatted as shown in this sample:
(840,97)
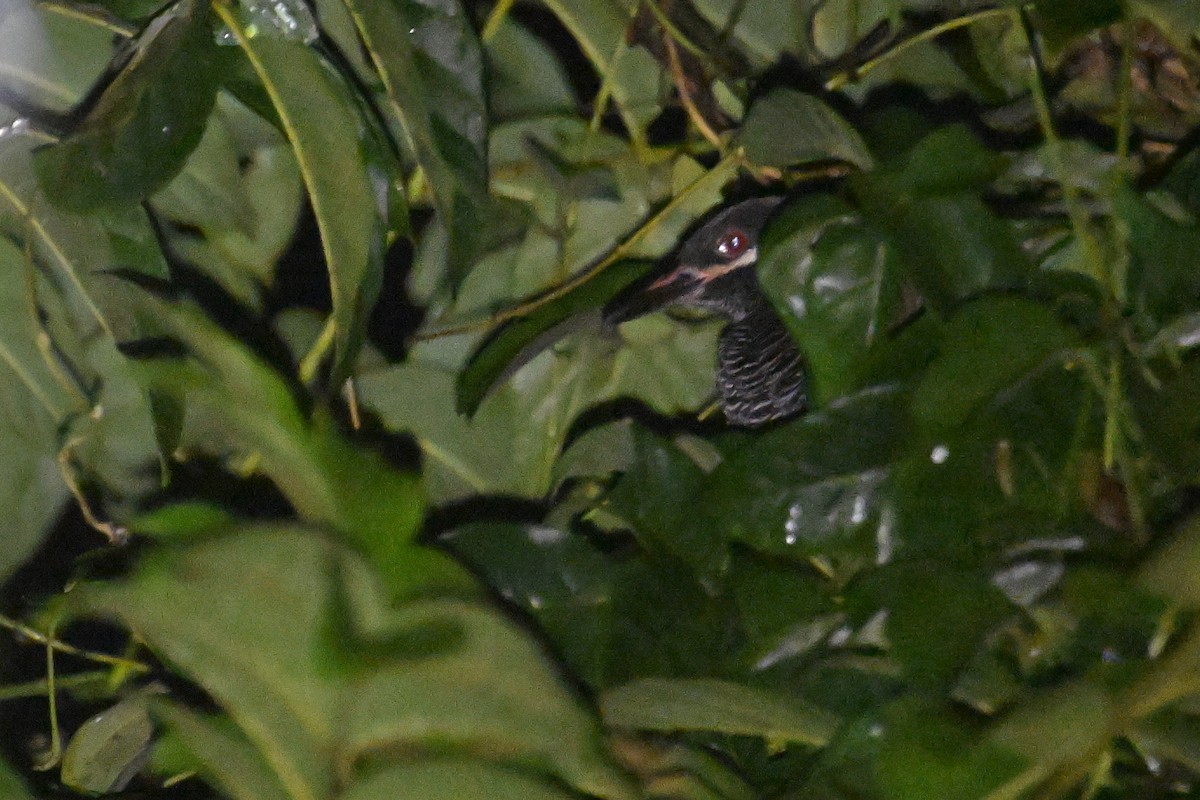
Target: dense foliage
(300,348)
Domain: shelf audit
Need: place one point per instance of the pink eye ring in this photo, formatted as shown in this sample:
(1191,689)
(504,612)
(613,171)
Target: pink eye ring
(732,244)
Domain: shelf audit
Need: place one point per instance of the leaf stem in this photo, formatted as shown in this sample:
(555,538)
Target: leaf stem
(1125,95)
(856,73)
(495,19)
(52,758)
(1099,268)
(63,647)
(619,252)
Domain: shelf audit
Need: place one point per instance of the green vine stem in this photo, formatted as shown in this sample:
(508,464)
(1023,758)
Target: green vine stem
(53,643)
(855,74)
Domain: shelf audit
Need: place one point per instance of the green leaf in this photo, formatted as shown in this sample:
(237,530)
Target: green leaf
(990,345)
(78,252)
(927,752)
(1064,20)
(524,77)
(11,786)
(836,282)
(144,122)
(328,671)
(489,693)
(599,29)
(260,667)
(786,128)
(236,204)
(658,704)
(110,748)
(221,753)
(661,469)
(498,357)
(51,54)
(325,131)
(1163,274)
(447,779)
(1172,570)
(429,60)
(818,485)
(932,657)
(239,401)
(614,619)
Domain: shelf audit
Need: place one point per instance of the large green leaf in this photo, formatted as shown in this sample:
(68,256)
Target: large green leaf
(11,786)
(235,205)
(238,401)
(430,63)
(328,673)
(144,122)
(990,345)
(710,705)
(447,779)
(786,128)
(835,279)
(220,752)
(327,137)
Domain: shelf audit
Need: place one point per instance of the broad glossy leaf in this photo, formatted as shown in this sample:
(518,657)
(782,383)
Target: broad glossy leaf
(1172,570)
(1169,417)
(928,200)
(836,280)
(302,694)
(659,469)
(613,619)
(1060,21)
(260,667)
(932,656)
(712,705)
(326,134)
(818,485)
(1163,274)
(77,251)
(146,120)
(429,60)
(991,344)
(928,752)
(786,128)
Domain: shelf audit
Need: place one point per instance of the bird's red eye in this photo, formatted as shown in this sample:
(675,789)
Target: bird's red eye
(731,245)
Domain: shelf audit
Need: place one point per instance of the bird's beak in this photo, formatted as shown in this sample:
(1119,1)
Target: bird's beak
(645,299)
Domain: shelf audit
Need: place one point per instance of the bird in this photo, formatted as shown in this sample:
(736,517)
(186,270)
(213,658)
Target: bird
(761,375)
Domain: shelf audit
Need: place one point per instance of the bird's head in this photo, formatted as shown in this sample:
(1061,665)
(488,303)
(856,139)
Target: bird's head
(715,272)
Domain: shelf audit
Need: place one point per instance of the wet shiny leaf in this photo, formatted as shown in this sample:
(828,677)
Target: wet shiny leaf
(145,122)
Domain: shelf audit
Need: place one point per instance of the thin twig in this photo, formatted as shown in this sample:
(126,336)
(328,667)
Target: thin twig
(495,19)
(685,96)
(63,647)
(616,254)
(849,76)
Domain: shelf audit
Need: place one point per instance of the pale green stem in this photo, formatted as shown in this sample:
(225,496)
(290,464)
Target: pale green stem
(850,76)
